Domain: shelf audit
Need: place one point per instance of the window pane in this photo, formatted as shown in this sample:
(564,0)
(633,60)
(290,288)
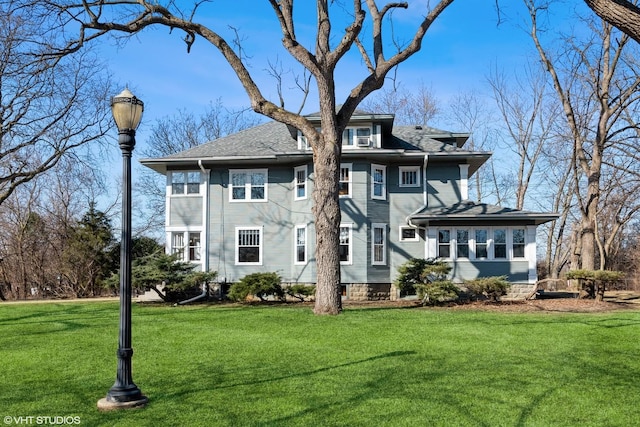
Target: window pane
(301,238)
(378,182)
(257,193)
(344,243)
(194,246)
(408,234)
(238,193)
(409,178)
(177,183)
(462,240)
(343,188)
(193,182)
(518,243)
(481,243)
(249,246)
(347,137)
(301,183)
(444,239)
(378,244)
(177,245)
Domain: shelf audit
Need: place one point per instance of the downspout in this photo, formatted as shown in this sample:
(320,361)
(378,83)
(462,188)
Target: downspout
(425,197)
(205,266)
(205,292)
(205,240)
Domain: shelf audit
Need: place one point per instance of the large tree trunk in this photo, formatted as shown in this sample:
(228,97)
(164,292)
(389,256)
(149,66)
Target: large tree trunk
(621,13)
(326,204)
(326,210)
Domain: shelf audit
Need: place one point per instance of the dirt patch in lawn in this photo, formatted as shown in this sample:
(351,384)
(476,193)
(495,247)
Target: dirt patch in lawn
(552,302)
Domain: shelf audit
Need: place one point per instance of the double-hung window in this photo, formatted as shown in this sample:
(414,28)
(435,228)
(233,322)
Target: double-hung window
(444,243)
(378,182)
(481,243)
(345,248)
(518,242)
(379,244)
(248,185)
(345,184)
(462,243)
(500,243)
(300,245)
(186,252)
(300,182)
(185,182)
(249,245)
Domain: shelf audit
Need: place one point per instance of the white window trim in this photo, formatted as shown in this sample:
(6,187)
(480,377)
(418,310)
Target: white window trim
(464,181)
(247,186)
(297,169)
(185,249)
(402,169)
(453,243)
(350,260)
(237,247)
(405,227)
(382,226)
(384,182)
(350,182)
(185,184)
(295,245)
(354,138)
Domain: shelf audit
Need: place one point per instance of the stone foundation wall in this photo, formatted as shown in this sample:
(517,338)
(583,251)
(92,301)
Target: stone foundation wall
(519,291)
(368,291)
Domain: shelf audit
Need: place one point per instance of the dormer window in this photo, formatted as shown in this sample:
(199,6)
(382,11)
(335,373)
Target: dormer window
(356,137)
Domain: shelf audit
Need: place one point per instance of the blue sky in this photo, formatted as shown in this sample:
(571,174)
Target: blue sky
(457,54)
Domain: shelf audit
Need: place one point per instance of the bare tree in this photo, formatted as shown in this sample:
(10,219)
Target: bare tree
(98,18)
(527,119)
(179,132)
(49,106)
(467,111)
(417,107)
(595,80)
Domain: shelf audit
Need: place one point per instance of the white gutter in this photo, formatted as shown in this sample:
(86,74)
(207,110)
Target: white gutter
(206,202)
(425,197)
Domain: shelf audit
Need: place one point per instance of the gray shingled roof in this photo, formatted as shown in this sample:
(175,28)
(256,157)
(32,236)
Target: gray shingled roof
(268,139)
(469,210)
(275,139)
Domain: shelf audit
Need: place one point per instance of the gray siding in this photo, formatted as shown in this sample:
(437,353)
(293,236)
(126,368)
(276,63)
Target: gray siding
(516,271)
(443,182)
(185,211)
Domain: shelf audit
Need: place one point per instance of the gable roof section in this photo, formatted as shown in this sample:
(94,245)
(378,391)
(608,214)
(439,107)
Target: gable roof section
(468,211)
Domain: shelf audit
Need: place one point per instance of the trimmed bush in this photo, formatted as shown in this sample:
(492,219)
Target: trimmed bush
(261,285)
(594,282)
(428,277)
(300,292)
(437,292)
(490,287)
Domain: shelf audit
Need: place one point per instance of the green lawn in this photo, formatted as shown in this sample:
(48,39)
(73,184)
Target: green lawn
(275,366)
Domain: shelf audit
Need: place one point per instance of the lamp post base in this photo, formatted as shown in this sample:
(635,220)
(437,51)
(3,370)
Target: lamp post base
(106,404)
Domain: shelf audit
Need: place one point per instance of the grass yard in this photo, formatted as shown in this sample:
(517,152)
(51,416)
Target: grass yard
(208,365)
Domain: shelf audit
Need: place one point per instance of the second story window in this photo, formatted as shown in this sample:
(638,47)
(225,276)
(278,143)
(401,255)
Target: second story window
(356,137)
(300,182)
(344,186)
(378,182)
(409,176)
(185,182)
(248,185)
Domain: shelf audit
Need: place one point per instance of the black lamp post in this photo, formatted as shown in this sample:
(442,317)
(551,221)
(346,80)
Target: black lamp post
(127,112)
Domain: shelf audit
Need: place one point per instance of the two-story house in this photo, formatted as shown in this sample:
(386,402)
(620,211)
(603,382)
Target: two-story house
(242,204)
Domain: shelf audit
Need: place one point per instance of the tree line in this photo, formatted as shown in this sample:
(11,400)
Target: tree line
(569,119)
